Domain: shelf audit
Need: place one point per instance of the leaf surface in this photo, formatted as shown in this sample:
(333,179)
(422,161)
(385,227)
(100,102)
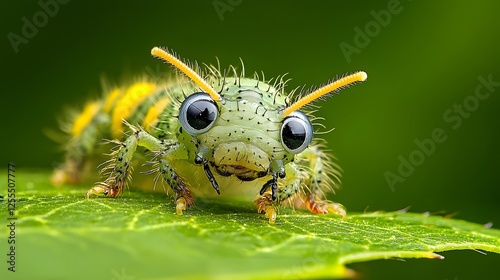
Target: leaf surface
(60,235)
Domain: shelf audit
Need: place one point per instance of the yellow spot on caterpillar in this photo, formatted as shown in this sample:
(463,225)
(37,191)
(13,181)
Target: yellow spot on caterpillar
(345,81)
(85,118)
(152,115)
(127,104)
(111,99)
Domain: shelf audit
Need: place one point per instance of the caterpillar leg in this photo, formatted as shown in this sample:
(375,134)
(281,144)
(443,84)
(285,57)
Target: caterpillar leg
(318,166)
(182,195)
(118,169)
(265,204)
(304,185)
(288,187)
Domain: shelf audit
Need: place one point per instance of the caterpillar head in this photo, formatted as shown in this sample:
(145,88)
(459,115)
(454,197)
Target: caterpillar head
(247,127)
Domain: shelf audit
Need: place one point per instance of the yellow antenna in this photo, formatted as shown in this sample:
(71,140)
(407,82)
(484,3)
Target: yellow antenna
(345,81)
(174,61)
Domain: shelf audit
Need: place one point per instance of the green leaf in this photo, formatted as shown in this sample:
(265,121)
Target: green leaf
(59,235)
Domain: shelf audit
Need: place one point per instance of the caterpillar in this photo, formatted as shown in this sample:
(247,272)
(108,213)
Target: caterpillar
(207,132)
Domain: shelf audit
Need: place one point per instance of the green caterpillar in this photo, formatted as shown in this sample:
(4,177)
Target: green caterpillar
(209,134)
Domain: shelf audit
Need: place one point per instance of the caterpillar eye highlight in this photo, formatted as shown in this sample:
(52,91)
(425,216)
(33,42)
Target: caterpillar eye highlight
(296,132)
(198,113)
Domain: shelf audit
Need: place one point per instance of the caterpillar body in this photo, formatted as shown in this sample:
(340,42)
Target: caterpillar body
(207,132)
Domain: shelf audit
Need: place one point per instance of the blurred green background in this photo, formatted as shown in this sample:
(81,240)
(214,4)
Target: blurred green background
(421,62)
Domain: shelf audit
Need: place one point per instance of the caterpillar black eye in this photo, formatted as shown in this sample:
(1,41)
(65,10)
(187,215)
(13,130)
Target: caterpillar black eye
(198,113)
(296,132)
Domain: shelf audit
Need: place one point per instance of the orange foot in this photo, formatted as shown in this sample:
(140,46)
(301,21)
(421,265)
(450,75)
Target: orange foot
(325,207)
(109,192)
(183,201)
(264,204)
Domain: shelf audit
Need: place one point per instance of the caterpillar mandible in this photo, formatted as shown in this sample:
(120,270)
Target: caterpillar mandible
(207,132)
